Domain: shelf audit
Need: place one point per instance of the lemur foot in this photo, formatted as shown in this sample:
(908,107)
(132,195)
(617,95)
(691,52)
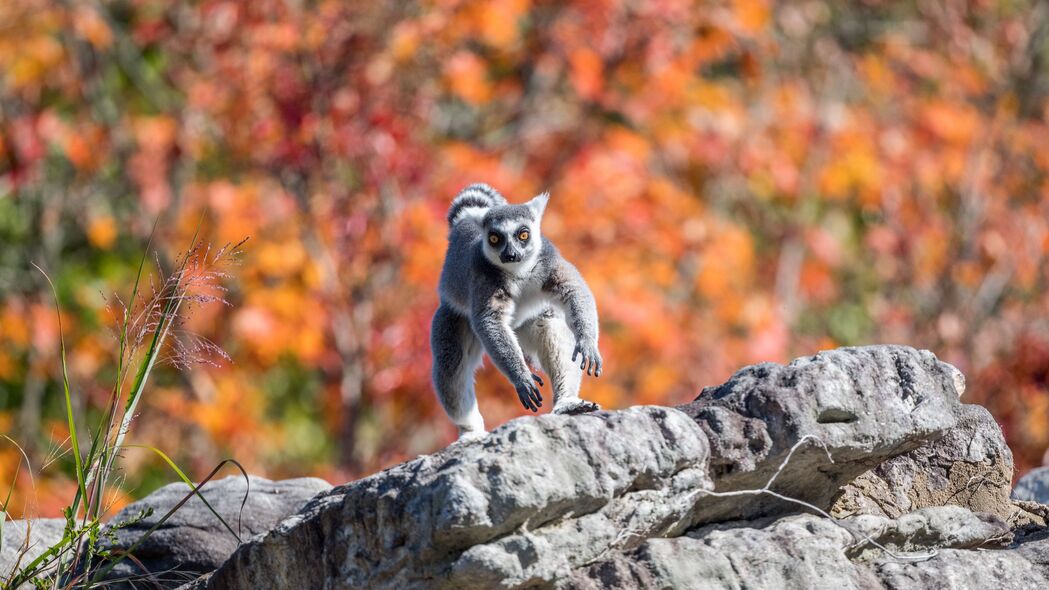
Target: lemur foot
(469,435)
(576,406)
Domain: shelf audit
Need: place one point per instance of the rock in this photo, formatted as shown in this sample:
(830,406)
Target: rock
(652,497)
(793,552)
(929,528)
(796,551)
(971,466)
(864,404)
(28,538)
(522,506)
(955,568)
(1035,549)
(1029,518)
(1033,486)
(806,551)
(193,541)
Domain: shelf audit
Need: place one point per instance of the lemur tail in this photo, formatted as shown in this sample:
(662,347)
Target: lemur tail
(472,202)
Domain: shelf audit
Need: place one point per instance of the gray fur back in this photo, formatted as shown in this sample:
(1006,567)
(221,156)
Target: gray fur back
(459,262)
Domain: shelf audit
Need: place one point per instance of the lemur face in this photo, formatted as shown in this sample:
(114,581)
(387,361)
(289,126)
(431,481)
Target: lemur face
(511,235)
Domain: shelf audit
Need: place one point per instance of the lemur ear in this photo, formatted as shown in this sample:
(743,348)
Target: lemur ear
(538,204)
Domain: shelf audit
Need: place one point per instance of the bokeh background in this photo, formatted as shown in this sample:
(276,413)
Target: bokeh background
(738,181)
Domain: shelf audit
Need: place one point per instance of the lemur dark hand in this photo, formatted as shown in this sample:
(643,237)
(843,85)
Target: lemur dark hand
(591,361)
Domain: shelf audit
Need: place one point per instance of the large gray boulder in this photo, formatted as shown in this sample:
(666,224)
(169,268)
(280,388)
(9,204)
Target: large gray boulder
(24,540)
(1033,486)
(520,507)
(542,499)
(193,541)
(971,466)
(861,406)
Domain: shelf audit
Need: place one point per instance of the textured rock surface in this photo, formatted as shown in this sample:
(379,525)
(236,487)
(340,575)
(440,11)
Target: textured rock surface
(807,551)
(193,541)
(971,466)
(652,497)
(793,552)
(619,499)
(522,506)
(1033,486)
(865,404)
(928,528)
(955,568)
(27,539)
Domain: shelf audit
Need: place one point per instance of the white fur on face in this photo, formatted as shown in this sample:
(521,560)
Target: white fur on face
(508,229)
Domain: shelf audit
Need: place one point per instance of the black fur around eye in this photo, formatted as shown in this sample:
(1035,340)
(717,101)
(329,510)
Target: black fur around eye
(493,239)
(523,234)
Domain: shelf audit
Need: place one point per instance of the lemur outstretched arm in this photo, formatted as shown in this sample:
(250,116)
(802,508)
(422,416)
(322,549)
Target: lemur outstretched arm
(572,293)
(491,323)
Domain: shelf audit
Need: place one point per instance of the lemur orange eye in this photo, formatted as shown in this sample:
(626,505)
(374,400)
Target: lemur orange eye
(493,239)
(523,235)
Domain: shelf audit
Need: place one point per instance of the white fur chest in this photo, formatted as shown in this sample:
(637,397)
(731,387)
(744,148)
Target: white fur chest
(528,304)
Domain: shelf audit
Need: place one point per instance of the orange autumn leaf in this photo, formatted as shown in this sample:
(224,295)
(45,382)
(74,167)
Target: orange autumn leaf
(955,123)
(587,70)
(102,231)
(90,25)
(465,74)
(500,19)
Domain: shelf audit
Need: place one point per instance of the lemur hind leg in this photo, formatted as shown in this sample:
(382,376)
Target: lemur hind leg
(456,356)
(548,342)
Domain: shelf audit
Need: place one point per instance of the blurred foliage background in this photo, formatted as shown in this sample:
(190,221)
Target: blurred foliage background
(738,181)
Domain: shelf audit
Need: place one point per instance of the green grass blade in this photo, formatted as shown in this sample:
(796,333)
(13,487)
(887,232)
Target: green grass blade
(18,466)
(106,426)
(141,376)
(190,483)
(10,492)
(195,491)
(77,459)
(172,302)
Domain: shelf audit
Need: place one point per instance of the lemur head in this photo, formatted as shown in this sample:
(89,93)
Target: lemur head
(511,234)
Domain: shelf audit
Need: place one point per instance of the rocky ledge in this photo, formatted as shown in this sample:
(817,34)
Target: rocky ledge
(852,468)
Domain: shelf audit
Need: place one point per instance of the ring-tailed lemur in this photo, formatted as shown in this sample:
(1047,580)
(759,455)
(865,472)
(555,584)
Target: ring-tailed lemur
(508,292)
